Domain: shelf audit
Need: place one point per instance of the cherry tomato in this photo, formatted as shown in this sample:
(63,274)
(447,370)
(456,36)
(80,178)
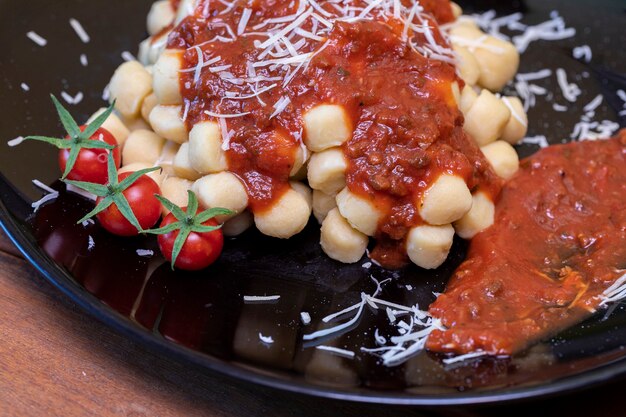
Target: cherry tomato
(145,206)
(91,164)
(199,250)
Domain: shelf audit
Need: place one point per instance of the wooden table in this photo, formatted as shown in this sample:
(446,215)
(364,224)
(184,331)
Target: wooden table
(55,360)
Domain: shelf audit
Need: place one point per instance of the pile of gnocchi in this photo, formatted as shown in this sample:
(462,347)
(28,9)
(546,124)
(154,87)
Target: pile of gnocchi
(149,128)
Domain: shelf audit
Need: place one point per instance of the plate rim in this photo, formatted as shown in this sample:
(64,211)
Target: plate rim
(90,304)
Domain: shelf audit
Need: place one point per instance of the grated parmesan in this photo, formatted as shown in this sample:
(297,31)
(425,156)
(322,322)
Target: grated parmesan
(582,52)
(145,253)
(127,56)
(305,318)
(15,141)
(73,189)
(268,340)
(72,99)
(539,140)
(616,292)
(570,90)
(50,195)
(249,299)
(336,351)
(36,38)
(80,31)
(461,358)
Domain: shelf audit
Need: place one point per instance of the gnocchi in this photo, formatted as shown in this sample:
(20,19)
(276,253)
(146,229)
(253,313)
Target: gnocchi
(446,200)
(196,153)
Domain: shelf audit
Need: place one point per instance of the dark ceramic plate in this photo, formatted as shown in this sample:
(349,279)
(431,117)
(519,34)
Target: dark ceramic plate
(200,318)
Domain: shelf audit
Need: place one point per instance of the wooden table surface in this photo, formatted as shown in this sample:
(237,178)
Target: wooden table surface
(55,360)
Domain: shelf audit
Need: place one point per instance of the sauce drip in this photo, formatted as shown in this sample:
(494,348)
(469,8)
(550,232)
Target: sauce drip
(407,127)
(558,242)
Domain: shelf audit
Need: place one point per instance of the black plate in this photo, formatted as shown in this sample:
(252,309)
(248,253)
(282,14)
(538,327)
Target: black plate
(200,318)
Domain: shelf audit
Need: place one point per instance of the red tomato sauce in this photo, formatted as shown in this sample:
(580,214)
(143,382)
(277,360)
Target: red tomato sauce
(407,127)
(175,4)
(559,241)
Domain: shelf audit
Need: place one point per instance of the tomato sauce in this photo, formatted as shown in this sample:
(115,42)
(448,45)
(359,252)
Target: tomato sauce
(407,126)
(558,242)
(175,4)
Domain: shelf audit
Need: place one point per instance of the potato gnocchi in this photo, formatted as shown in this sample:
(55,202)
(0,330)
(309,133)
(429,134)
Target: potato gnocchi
(289,124)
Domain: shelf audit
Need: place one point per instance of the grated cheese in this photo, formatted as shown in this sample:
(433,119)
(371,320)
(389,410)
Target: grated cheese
(461,358)
(592,130)
(305,318)
(145,253)
(539,140)
(243,22)
(50,195)
(44,187)
(36,38)
(72,100)
(514,113)
(260,298)
(196,75)
(73,189)
(106,94)
(593,104)
(570,90)
(528,91)
(15,141)
(225,116)
(280,106)
(268,340)
(336,351)
(616,292)
(380,340)
(550,30)
(127,56)
(225,133)
(83,60)
(80,31)
(25,87)
(582,52)
(622,96)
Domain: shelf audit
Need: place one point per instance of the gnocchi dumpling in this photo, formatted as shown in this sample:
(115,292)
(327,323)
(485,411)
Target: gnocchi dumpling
(428,246)
(326,126)
(446,200)
(205,148)
(175,189)
(479,218)
(182,166)
(166,77)
(486,118)
(286,217)
(502,157)
(221,190)
(129,86)
(167,123)
(114,125)
(340,241)
(160,16)
(360,212)
(142,146)
(326,171)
